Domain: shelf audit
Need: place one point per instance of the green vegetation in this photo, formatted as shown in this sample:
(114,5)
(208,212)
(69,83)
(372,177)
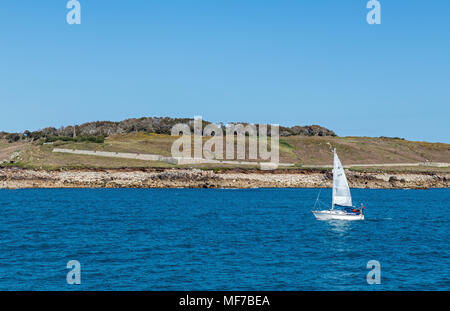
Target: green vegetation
(303,151)
(285,144)
(13,137)
(93,139)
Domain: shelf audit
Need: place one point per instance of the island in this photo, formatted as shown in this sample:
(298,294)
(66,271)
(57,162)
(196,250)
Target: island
(136,153)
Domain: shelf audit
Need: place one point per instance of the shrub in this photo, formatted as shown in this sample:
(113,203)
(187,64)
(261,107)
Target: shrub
(13,137)
(92,139)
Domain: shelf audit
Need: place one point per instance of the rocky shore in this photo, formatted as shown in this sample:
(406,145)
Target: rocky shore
(17,178)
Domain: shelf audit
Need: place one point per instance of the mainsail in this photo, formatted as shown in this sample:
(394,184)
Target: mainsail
(341,190)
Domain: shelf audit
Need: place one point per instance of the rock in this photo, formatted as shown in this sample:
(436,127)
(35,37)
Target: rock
(172,178)
(393,179)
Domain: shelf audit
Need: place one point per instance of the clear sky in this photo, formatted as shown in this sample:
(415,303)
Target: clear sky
(287,62)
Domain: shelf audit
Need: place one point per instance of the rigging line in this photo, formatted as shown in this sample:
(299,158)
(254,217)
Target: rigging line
(320,186)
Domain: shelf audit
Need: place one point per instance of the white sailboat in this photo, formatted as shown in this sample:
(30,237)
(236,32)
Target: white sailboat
(341,207)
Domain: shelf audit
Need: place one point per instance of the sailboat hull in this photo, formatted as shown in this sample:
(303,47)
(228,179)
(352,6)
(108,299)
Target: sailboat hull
(336,215)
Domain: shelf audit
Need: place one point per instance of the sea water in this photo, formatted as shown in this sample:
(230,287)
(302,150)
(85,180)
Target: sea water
(205,239)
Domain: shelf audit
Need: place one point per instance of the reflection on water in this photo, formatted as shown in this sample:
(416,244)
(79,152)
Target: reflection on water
(339,226)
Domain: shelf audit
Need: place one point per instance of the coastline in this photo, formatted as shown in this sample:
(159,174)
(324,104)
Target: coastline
(19,178)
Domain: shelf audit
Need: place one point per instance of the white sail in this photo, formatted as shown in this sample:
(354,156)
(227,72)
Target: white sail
(341,190)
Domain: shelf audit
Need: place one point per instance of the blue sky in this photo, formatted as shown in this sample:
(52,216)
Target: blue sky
(287,62)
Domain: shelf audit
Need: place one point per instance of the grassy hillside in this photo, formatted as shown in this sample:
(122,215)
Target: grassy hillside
(300,150)
(364,150)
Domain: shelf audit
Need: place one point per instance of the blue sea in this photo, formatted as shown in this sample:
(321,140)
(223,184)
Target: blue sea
(205,239)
